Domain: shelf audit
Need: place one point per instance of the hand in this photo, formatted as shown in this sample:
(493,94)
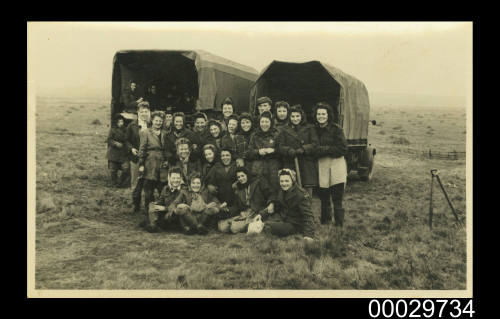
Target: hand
(140,100)
(135,151)
(141,168)
(164,164)
(270,208)
(223,205)
(270,150)
(195,146)
(262,151)
(300,151)
(240,162)
(118,144)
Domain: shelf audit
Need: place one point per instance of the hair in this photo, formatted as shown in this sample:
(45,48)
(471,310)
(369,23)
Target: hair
(282,104)
(194,175)
(200,115)
(181,114)
(264,99)
(289,172)
(174,170)
(183,140)
(143,104)
(227,100)
(268,115)
(225,149)
(159,114)
(118,117)
(325,106)
(243,169)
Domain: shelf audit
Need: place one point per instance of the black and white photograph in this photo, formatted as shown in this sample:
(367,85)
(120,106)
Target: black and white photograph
(249,159)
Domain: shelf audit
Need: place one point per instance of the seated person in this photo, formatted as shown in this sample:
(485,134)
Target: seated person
(252,196)
(157,213)
(293,212)
(196,207)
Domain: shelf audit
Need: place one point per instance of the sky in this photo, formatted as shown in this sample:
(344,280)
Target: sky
(421,58)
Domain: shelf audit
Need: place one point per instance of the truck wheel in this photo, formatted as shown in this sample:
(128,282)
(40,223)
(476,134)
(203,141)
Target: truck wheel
(365,170)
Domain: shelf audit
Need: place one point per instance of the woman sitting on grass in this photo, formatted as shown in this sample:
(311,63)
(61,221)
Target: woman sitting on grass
(196,207)
(252,196)
(293,212)
(233,141)
(157,213)
(118,152)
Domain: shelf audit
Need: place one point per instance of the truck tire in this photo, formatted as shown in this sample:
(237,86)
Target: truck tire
(365,169)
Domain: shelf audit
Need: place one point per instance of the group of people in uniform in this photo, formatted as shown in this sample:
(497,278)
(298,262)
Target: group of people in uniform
(220,175)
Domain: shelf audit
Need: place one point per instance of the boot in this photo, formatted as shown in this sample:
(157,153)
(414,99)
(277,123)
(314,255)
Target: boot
(114,178)
(326,215)
(326,206)
(339,216)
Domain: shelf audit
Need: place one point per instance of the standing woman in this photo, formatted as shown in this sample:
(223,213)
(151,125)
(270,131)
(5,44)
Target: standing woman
(332,165)
(227,110)
(208,160)
(264,151)
(117,151)
(216,133)
(282,114)
(142,124)
(300,140)
(178,131)
(245,130)
(152,157)
(233,141)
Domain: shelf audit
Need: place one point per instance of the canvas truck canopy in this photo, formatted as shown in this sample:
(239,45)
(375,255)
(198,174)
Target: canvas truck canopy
(312,82)
(186,80)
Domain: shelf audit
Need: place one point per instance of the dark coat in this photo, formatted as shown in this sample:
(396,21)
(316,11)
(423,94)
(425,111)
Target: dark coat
(218,177)
(238,146)
(193,165)
(293,138)
(152,153)
(266,166)
(259,196)
(217,142)
(130,100)
(332,141)
(115,153)
(205,168)
(294,206)
(155,103)
(133,139)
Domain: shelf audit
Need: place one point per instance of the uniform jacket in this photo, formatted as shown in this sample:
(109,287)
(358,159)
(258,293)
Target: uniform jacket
(192,165)
(218,177)
(260,139)
(301,136)
(133,139)
(152,153)
(332,141)
(294,206)
(114,153)
(205,168)
(238,145)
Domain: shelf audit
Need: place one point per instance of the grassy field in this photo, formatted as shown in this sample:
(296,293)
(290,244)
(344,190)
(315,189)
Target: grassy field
(86,237)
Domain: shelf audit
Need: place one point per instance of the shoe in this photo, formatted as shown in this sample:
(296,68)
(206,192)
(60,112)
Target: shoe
(143,224)
(152,229)
(339,216)
(202,230)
